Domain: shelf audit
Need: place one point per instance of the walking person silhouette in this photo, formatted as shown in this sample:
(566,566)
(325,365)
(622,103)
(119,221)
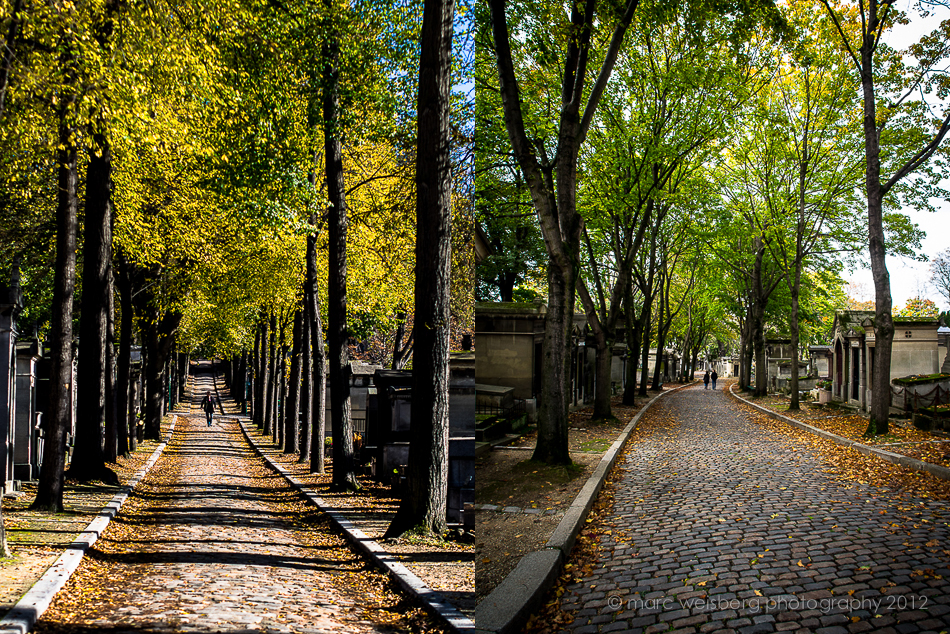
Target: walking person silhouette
(207,404)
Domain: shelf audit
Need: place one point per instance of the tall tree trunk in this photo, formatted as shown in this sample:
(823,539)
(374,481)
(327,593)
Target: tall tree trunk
(552,444)
(271,373)
(633,329)
(112,412)
(319,369)
(401,349)
(49,493)
(292,411)
(258,381)
(602,395)
(124,369)
(424,504)
(284,384)
(159,338)
(344,475)
(757,321)
(795,328)
(88,457)
(883,305)
(306,389)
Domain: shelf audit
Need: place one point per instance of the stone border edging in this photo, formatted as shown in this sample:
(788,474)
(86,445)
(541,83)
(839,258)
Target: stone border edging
(31,606)
(508,606)
(890,456)
(406,579)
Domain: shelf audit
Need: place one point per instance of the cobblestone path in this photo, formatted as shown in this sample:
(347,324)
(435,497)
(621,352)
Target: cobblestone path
(211,542)
(720,525)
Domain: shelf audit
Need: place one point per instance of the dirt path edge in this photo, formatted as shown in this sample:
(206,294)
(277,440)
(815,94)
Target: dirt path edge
(508,606)
(31,606)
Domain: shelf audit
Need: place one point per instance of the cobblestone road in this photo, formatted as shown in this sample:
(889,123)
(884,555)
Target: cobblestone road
(722,526)
(211,542)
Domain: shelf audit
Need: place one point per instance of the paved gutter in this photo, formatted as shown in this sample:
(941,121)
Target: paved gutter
(28,610)
(506,609)
(434,602)
(890,456)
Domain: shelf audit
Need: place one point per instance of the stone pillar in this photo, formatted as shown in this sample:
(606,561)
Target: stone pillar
(27,448)
(11,301)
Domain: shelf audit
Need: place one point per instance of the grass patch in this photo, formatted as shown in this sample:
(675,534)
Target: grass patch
(597,444)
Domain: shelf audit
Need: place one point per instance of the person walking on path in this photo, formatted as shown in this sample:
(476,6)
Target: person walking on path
(207,404)
(706,381)
(714,376)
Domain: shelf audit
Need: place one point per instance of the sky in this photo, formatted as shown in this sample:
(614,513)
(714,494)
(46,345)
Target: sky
(910,279)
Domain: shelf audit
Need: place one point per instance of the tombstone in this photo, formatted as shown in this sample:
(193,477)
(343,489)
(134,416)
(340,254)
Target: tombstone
(11,302)
(28,434)
(509,345)
(388,435)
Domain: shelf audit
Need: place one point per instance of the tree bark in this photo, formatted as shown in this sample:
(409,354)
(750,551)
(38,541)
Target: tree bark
(306,388)
(554,199)
(424,504)
(112,411)
(49,493)
(344,475)
(270,374)
(88,456)
(292,411)
(259,364)
(159,338)
(124,370)
(633,329)
(319,370)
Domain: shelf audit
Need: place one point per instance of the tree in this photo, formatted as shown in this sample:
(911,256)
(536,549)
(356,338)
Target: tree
(940,273)
(896,137)
(553,186)
(424,504)
(677,89)
(806,162)
(49,492)
(919,307)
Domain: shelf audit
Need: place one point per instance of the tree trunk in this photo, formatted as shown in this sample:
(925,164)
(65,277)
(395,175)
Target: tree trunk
(552,444)
(633,348)
(124,370)
(401,349)
(284,388)
(257,394)
(88,461)
(319,369)
(306,387)
(424,505)
(49,493)
(112,411)
(344,475)
(602,395)
(757,321)
(270,374)
(159,337)
(292,411)
(795,328)
(883,320)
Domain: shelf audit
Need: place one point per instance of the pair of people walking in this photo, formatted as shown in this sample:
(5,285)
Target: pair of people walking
(207,404)
(707,377)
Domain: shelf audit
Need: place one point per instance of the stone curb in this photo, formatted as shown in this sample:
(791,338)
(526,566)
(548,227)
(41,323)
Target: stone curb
(890,456)
(31,606)
(409,582)
(506,609)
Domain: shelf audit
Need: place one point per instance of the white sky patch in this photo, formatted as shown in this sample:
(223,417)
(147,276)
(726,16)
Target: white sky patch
(910,279)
